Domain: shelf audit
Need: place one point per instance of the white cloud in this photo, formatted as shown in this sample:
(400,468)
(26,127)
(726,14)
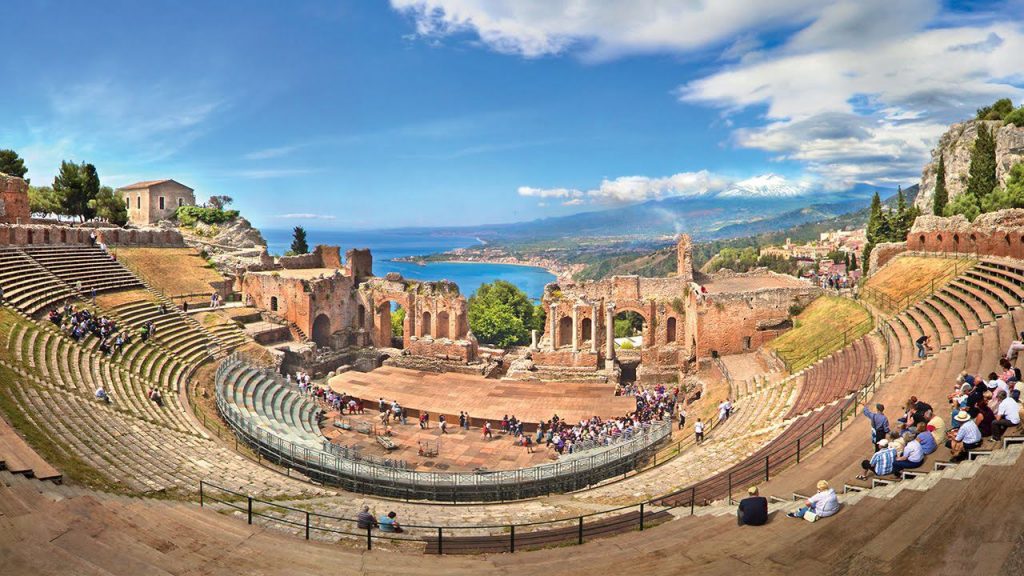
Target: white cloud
(548,192)
(534,28)
(573,202)
(268,153)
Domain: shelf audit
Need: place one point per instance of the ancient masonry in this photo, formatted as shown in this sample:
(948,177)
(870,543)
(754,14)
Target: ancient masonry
(13,200)
(346,305)
(685,318)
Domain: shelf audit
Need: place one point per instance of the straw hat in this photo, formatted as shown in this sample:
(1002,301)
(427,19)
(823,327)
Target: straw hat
(962,416)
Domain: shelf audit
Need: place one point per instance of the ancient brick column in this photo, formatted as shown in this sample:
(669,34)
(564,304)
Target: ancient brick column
(609,332)
(554,327)
(593,328)
(575,328)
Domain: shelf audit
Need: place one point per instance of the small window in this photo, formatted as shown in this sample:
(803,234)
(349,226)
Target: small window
(181,202)
(138,202)
(273,303)
(161,202)
(127,203)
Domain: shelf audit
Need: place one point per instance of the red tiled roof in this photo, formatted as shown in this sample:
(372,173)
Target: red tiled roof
(148,184)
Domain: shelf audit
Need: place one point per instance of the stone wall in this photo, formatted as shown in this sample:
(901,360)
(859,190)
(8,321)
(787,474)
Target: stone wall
(994,234)
(14,207)
(743,322)
(321,257)
(882,253)
(32,234)
(955,147)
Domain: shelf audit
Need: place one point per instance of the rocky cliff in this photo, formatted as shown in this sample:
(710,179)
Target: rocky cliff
(231,246)
(955,146)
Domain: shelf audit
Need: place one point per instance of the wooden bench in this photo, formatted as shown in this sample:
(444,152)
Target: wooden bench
(386,443)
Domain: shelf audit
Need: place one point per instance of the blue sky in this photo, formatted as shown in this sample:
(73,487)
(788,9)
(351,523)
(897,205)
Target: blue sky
(368,114)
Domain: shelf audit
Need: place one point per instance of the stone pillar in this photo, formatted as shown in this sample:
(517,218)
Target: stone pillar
(609,332)
(533,339)
(554,327)
(575,328)
(593,328)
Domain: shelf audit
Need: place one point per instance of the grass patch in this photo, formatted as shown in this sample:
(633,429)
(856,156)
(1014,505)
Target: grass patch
(173,271)
(899,281)
(818,331)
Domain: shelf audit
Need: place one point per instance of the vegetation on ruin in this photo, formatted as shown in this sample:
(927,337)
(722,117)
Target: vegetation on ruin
(192,215)
(746,259)
(502,315)
(12,164)
(628,324)
(905,276)
(818,331)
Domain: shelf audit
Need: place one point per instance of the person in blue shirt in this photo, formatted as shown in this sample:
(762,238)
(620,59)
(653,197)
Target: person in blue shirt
(925,437)
(881,462)
(389,523)
(879,423)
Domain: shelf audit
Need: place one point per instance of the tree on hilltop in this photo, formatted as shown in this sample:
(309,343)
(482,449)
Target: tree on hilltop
(981,176)
(997,111)
(220,202)
(299,244)
(941,196)
(12,164)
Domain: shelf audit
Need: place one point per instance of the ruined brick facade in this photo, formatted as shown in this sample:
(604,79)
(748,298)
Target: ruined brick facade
(994,234)
(340,305)
(31,234)
(13,200)
(683,320)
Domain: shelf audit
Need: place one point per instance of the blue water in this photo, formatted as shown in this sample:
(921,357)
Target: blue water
(389,245)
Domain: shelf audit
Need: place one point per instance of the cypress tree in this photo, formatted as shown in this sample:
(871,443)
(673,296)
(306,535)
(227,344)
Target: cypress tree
(981,179)
(299,245)
(875,219)
(941,197)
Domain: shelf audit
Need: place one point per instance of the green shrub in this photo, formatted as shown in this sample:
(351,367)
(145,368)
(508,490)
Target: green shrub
(1016,117)
(191,215)
(626,345)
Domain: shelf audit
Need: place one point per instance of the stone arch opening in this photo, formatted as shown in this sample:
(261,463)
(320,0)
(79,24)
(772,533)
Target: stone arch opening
(956,239)
(361,317)
(1007,238)
(565,329)
(273,303)
(586,326)
(442,325)
(920,240)
(322,330)
(391,324)
(939,238)
(670,329)
(425,324)
(630,330)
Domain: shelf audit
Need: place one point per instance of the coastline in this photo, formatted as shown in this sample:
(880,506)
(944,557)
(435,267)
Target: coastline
(551,271)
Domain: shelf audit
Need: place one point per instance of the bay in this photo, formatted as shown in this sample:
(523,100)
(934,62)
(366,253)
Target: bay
(387,245)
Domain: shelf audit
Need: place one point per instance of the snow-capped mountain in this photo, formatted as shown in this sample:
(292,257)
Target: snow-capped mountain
(766,186)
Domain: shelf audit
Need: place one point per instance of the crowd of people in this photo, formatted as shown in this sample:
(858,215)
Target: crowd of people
(81,323)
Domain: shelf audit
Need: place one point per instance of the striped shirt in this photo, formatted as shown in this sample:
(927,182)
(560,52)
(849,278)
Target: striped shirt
(882,461)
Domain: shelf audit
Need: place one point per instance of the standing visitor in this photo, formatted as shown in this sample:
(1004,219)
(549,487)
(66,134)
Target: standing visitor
(682,417)
(698,430)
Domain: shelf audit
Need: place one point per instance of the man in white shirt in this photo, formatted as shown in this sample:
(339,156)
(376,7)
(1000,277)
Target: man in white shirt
(698,431)
(1007,416)
(913,456)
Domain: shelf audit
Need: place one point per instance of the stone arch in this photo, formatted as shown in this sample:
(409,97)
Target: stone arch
(385,335)
(273,303)
(441,325)
(565,329)
(586,326)
(644,326)
(322,330)
(425,324)
(361,317)
(670,329)
(920,241)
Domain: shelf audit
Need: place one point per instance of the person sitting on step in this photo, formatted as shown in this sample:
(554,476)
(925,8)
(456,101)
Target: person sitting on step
(963,438)
(823,504)
(753,510)
(881,462)
(912,456)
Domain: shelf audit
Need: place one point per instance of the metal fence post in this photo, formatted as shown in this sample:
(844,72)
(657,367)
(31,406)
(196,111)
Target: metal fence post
(766,467)
(822,434)
(581,530)
(307,525)
(512,538)
(200,493)
(641,516)
(369,538)
(440,541)
(797,450)
(730,487)
(250,509)
(693,499)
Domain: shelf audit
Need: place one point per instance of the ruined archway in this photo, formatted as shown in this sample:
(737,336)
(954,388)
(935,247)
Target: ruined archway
(391,324)
(441,328)
(630,329)
(322,330)
(425,325)
(586,326)
(565,329)
(670,329)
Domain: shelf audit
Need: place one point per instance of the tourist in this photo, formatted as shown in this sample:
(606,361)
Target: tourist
(881,462)
(698,430)
(1015,347)
(462,419)
(184,306)
(487,430)
(1007,415)
(424,420)
(156,397)
(365,520)
(1,294)
(682,417)
(442,423)
(753,510)
(101,394)
(389,523)
(912,456)
(879,423)
(926,439)
(92,238)
(466,425)
(723,411)
(381,405)
(163,308)
(963,438)
(528,442)
(922,346)
(823,504)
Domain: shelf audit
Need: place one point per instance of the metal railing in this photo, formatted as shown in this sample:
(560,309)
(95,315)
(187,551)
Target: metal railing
(795,361)
(813,433)
(564,475)
(893,306)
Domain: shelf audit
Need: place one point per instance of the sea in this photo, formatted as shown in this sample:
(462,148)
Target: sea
(388,245)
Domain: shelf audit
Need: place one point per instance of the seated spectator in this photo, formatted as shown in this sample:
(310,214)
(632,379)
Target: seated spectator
(926,439)
(1007,415)
(101,394)
(938,426)
(966,437)
(881,462)
(823,504)
(389,523)
(983,415)
(753,510)
(912,457)
(365,520)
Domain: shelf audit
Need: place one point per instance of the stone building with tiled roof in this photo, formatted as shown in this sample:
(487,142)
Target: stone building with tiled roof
(154,200)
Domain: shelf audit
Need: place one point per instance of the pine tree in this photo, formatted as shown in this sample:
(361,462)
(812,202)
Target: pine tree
(941,197)
(875,220)
(853,261)
(299,245)
(12,164)
(981,179)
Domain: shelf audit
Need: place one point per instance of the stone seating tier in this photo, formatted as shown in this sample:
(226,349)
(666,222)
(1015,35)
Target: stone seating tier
(27,285)
(90,265)
(274,405)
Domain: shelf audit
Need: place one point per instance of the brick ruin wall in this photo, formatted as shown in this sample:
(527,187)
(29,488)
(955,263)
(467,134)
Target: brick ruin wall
(321,257)
(998,233)
(33,234)
(14,208)
(742,322)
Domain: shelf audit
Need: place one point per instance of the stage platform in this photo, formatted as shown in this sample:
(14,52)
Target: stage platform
(482,398)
